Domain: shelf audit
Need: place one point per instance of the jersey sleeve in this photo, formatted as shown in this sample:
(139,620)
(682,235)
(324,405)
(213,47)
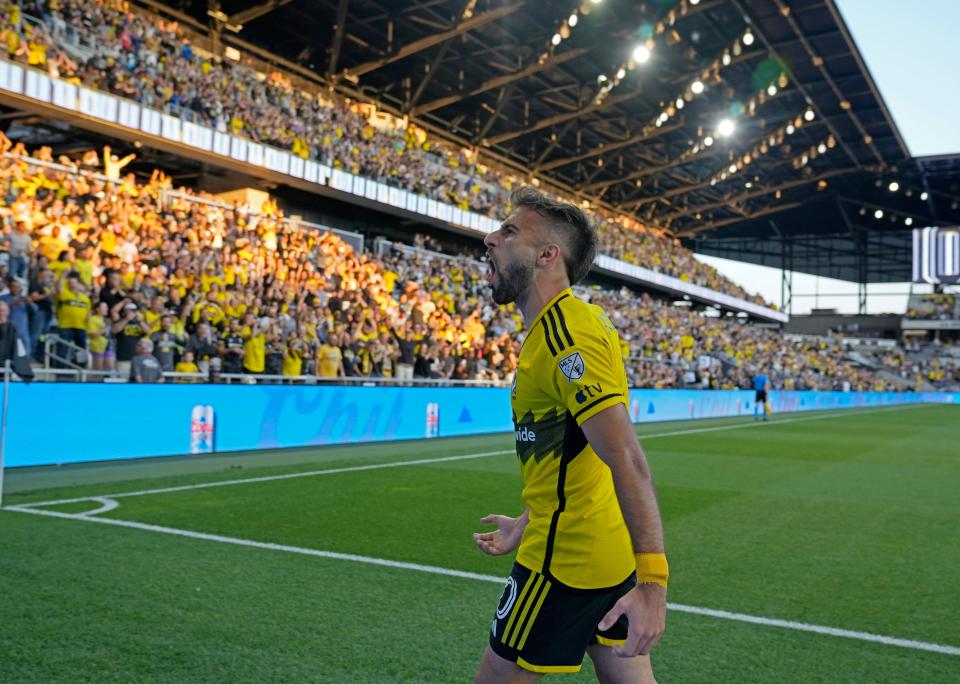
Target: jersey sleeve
(587,374)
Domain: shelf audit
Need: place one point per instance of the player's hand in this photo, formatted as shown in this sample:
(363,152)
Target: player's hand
(646,609)
(505,538)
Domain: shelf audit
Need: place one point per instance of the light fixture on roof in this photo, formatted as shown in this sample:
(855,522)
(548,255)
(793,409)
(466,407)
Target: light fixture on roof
(878,214)
(726,58)
(708,141)
(748,185)
(726,127)
(697,87)
(790,129)
(821,148)
(894,186)
(809,115)
(572,21)
(596,2)
(641,54)
(924,196)
(556,39)
(621,72)
(694,2)
(772,89)
(908,221)
(733,168)
(680,103)
(748,38)
(602,78)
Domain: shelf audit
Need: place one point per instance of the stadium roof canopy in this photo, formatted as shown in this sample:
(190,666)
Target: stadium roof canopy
(559,91)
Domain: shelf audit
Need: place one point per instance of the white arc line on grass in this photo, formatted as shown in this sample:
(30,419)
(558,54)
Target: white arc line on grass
(680,608)
(446,459)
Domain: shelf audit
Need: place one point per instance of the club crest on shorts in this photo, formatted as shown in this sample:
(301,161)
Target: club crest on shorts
(572,366)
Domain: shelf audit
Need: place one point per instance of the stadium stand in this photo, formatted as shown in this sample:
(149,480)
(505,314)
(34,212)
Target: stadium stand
(221,289)
(934,306)
(109,46)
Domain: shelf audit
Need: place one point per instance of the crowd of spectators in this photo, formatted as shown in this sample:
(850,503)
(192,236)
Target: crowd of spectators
(155,62)
(148,281)
(939,306)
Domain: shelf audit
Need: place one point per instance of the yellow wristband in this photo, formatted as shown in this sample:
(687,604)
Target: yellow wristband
(652,568)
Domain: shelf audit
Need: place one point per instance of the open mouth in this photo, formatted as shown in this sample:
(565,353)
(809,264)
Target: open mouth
(491,270)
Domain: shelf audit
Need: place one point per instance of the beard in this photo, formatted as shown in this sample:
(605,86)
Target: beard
(511,281)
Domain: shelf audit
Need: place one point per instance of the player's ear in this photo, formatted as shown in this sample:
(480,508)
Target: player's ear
(549,253)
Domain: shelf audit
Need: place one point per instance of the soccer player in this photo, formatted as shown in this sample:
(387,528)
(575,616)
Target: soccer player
(590,572)
(760,384)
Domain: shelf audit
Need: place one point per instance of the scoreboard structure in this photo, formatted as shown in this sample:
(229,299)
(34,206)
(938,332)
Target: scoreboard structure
(936,256)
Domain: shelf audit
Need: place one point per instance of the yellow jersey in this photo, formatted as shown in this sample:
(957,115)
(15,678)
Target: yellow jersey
(254,353)
(72,308)
(570,368)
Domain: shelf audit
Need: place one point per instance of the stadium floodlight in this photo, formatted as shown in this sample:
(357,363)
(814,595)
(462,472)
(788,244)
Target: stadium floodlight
(641,54)
(748,38)
(809,115)
(878,214)
(726,127)
(923,196)
(697,87)
(572,21)
(556,39)
(894,186)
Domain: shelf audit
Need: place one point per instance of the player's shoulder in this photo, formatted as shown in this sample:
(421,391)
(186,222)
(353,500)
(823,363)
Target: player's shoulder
(585,318)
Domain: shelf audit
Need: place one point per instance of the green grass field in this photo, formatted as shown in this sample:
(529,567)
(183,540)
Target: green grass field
(842,520)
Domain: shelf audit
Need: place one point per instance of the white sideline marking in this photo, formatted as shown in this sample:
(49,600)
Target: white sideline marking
(708,612)
(444,459)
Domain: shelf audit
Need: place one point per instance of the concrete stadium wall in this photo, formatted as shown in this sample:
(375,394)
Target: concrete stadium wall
(56,423)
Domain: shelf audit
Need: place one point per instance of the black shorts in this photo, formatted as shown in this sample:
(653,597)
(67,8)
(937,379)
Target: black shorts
(544,626)
(761,396)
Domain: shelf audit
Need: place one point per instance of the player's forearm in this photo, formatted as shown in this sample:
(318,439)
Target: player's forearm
(638,502)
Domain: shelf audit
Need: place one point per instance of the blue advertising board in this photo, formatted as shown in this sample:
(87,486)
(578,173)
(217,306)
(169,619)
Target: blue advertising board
(54,423)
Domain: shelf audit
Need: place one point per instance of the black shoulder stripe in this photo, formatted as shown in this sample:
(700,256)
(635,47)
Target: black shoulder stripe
(546,336)
(556,334)
(563,323)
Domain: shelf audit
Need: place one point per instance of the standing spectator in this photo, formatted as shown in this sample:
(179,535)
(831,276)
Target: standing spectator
(145,368)
(231,349)
(128,328)
(73,309)
(12,348)
(330,358)
(203,345)
(41,293)
(254,350)
(99,338)
(21,309)
(20,246)
(167,344)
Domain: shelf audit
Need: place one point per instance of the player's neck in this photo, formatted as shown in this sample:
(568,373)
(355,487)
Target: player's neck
(533,300)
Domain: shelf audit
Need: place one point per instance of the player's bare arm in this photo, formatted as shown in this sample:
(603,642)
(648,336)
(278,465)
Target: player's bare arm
(611,435)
